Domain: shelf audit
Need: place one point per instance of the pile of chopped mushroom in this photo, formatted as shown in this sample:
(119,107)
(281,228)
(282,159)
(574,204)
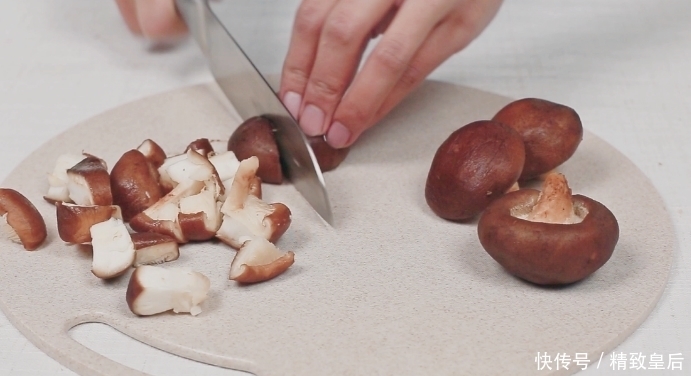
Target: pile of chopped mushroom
(140,213)
(149,204)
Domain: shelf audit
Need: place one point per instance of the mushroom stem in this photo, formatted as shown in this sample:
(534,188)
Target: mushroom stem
(554,204)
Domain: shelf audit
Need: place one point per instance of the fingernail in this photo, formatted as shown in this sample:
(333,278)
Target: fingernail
(338,135)
(312,120)
(292,101)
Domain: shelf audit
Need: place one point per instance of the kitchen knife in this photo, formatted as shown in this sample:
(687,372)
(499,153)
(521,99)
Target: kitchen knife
(251,95)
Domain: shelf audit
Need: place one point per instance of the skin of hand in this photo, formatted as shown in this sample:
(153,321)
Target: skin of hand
(157,20)
(320,82)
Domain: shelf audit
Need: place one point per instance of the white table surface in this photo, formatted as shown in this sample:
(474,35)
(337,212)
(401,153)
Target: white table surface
(624,65)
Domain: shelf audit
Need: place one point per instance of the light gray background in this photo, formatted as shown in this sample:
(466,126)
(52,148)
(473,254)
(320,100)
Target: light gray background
(623,64)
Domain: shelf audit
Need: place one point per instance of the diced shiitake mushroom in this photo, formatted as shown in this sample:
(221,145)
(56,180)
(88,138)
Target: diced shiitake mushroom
(201,146)
(176,169)
(152,248)
(196,191)
(227,164)
(20,221)
(88,182)
(153,152)
(259,260)
(113,249)
(245,215)
(57,180)
(75,221)
(200,215)
(154,289)
(134,183)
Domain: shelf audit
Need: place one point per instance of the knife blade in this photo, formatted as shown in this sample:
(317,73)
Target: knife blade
(251,95)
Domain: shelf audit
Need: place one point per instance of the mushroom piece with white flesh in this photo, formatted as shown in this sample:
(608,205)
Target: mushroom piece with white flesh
(201,146)
(153,249)
(153,152)
(195,175)
(88,182)
(245,215)
(154,289)
(57,180)
(200,214)
(227,164)
(259,260)
(113,249)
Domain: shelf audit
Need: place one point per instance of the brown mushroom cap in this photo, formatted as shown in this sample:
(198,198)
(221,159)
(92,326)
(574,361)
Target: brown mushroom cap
(255,137)
(134,184)
(328,158)
(23,217)
(551,133)
(474,166)
(547,253)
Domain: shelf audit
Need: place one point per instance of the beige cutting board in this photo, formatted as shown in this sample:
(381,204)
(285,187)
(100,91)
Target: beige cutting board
(390,290)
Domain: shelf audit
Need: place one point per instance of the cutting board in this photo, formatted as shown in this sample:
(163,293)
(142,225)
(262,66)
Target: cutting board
(390,289)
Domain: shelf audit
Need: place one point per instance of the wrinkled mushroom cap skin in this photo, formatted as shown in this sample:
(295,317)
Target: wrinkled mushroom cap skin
(328,157)
(255,137)
(475,165)
(548,253)
(23,217)
(551,133)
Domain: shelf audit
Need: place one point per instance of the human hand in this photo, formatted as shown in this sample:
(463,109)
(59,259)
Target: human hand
(320,84)
(153,19)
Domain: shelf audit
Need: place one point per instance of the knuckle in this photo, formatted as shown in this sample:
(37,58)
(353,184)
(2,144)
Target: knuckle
(412,75)
(326,89)
(390,53)
(358,116)
(339,28)
(295,75)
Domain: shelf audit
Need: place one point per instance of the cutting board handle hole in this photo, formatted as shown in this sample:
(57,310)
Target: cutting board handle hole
(123,349)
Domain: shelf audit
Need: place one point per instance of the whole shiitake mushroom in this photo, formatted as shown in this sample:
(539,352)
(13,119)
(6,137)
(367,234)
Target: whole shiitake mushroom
(476,164)
(551,133)
(548,237)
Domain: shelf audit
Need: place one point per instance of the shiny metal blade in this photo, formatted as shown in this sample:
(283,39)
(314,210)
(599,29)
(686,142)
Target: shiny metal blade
(251,95)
